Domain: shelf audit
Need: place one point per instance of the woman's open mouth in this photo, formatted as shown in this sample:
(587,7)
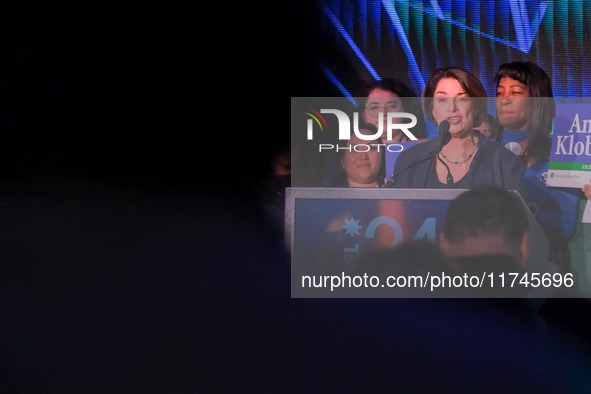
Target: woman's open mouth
(454,120)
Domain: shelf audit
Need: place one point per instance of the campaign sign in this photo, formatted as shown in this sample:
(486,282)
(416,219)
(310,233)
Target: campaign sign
(570,158)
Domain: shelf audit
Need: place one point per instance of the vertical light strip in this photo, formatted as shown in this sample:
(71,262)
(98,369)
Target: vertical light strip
(560,74)
(586,66)
(350,41)
(363,19)
(374,12)
(575,64)
(389,7)
(417,24)
(459,7)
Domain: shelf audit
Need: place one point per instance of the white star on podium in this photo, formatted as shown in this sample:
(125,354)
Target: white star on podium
(352,227)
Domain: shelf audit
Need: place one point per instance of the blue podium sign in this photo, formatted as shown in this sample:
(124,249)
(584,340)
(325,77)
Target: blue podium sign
(328,231)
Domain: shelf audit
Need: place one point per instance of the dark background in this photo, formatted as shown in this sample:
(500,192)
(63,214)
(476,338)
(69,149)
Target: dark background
(152,92)
(133,255)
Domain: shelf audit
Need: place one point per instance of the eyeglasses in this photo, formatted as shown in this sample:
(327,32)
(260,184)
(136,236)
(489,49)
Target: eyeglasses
(374,109)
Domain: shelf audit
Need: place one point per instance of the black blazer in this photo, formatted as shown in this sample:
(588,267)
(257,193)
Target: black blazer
(492,164)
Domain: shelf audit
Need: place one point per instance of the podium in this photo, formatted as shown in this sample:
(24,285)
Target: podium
(328,228)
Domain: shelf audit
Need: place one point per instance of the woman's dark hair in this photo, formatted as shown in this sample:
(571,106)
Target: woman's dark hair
(410,101)
(468,81)
(539,87)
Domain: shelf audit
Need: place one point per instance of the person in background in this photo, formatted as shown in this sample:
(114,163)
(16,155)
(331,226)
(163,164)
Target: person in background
(362,163)
(525,110)
(271,189)
(456,96)
(391,95)
(490,128)
(486,223)
(379,97)
(580,246)
(486,230)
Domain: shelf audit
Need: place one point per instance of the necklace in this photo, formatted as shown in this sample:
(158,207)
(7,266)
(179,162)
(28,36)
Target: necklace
(462,161)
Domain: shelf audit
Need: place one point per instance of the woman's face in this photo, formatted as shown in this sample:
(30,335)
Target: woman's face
(381,101)
(513,107)
(361,167)
(451,103)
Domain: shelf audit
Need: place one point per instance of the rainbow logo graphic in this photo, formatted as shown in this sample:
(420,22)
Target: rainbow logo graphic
(318,118)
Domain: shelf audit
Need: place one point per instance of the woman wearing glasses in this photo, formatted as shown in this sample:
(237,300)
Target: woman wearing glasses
(388,96)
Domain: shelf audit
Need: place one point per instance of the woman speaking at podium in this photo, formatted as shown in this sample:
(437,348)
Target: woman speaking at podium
(460,157)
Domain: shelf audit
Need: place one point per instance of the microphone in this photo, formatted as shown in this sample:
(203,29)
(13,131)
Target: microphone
(443,131)
(444,134)
(445,137)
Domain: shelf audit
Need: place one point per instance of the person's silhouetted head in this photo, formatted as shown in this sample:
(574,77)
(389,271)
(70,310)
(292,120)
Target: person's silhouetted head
(485,220)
